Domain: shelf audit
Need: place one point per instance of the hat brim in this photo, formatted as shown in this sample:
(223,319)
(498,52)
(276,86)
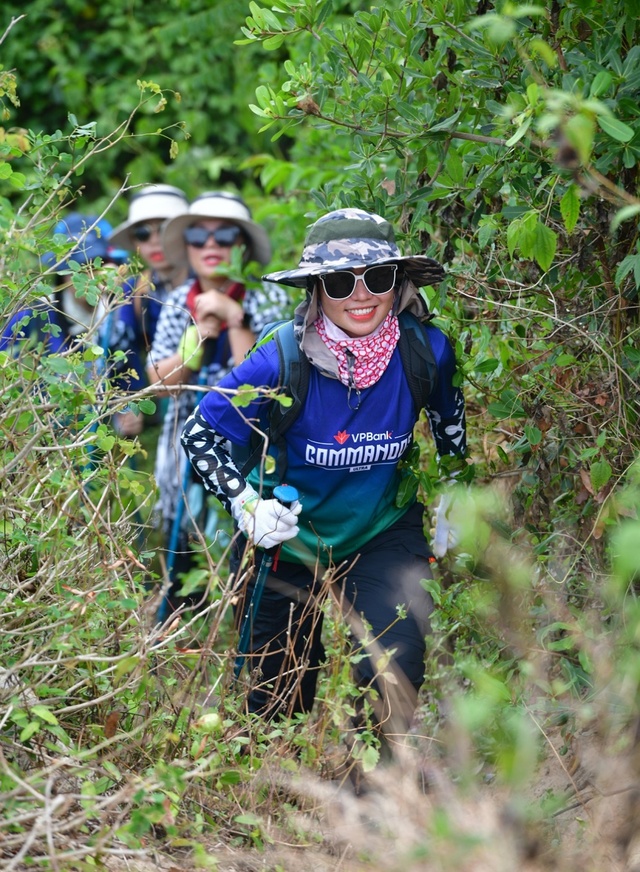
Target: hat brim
(121,236)
(420,270)
(153,203)
(175,247)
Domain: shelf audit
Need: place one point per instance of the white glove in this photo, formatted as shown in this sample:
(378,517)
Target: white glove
(446,533)
(266,523)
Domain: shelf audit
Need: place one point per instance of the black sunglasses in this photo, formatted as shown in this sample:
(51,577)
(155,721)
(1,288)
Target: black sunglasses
(224,236)
(144,232)
(377,280)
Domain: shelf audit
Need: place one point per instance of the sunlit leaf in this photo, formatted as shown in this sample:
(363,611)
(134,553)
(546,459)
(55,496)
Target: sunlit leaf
(570,207)
(615,128)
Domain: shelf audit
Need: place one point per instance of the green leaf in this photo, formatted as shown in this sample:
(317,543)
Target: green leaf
(539,46)
(520,132)
(623,215)
(544,245)
(625,548)
(508,406)
(615,128)
(44,713)
(488,365)
(147,407)
(455,167)
(407,489)
(127,665)
(601,84)
(369,758)
(527,10)
(272,22)
(30,730)
(18,180)
(600,473)
(245,394)
(251,819)
(485,234)
(273,42)
(447,124)
(513,235)
(500,31)
(106,443)
(263,96)
(534,436)
(527,235)
(630,262)
(570,207)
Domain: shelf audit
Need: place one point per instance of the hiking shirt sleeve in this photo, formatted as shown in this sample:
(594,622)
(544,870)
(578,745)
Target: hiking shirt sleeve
(17,328)
(39,323)
(445,409)
(218,421)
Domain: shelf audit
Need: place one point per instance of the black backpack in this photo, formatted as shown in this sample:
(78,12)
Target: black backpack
(419,367)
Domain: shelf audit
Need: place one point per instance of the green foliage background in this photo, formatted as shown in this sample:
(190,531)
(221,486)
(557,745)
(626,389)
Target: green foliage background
(502,139)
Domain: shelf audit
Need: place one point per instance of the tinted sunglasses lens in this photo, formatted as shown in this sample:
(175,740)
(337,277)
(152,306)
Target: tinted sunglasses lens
(339,285)
(196,236)
(227,236)
(224,236)
(380,279)
(142,233)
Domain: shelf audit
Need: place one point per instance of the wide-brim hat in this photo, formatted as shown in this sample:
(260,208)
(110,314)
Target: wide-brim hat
(350,238)
(90,235)
(152,203)
(226,207)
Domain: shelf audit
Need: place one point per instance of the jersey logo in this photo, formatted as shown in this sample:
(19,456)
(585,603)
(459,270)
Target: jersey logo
(341,436)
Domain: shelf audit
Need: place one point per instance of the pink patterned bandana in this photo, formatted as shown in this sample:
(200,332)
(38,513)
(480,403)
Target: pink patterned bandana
(361,361)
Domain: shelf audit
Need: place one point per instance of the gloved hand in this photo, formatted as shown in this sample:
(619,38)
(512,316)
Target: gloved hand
(191,348)
(266,523)
(446,533)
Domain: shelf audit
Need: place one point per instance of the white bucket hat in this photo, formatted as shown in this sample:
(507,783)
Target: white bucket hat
(226,207)
(153,203)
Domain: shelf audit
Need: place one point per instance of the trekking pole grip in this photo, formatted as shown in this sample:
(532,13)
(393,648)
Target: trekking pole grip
(286,495)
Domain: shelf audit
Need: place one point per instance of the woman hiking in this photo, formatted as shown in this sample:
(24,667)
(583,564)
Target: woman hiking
(344,456)
(205,327)
(135,322)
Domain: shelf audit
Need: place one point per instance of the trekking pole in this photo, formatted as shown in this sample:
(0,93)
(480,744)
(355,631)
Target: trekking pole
(286,495)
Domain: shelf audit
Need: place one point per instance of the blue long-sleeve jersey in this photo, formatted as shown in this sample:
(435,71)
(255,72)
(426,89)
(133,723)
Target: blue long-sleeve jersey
(342,460)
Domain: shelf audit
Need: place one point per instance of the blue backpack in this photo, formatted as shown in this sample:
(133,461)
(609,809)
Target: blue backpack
(419,367)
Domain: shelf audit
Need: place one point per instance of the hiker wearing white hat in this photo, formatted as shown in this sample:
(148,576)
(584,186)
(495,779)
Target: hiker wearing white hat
(206,327)
(135,322)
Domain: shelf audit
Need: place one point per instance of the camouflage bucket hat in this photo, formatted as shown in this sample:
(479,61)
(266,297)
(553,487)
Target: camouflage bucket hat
(349,238)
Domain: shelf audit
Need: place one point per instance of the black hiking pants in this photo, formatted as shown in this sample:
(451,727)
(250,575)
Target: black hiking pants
(382,596)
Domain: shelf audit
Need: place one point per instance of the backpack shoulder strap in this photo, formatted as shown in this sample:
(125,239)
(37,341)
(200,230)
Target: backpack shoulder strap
(417,359)
(293,382)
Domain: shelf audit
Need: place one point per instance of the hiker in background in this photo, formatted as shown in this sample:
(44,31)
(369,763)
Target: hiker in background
(61,319)
(205,328)
(344,454)
(134,323)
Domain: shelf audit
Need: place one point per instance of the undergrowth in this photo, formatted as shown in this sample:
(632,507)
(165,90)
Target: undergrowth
(120,738)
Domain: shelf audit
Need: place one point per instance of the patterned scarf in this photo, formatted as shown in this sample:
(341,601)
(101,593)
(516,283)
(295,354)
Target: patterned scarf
(361,360)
